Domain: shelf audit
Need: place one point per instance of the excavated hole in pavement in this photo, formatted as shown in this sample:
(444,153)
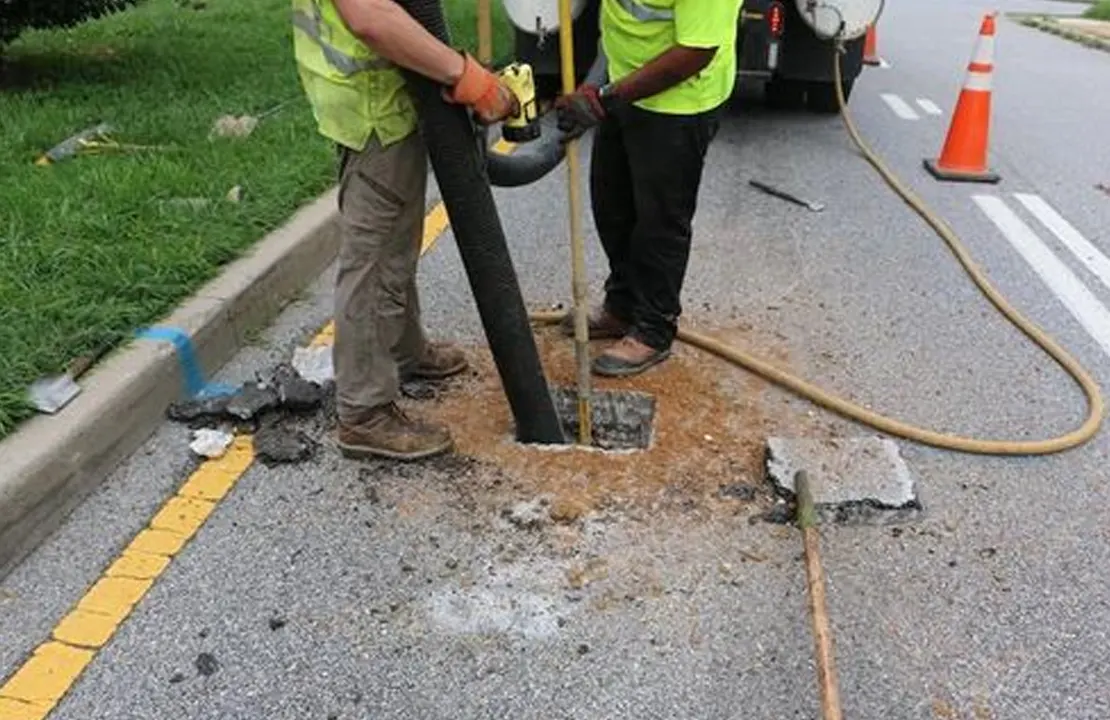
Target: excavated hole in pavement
(621,420)
(686,436)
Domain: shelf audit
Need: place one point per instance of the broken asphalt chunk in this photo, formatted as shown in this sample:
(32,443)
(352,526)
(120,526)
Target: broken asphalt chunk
(274,443)
(208,408)
(294,392)
(252,400)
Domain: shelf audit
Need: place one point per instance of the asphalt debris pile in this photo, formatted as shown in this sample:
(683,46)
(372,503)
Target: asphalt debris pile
(287,410)
(277,408)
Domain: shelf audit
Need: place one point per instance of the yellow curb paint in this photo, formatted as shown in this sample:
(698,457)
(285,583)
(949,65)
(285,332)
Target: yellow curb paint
(436,221)
(157,542)
(86,629)
(114,596)
(182,515)
(36,687)
(434,225)
(138,566)
(19,710)
(47,675)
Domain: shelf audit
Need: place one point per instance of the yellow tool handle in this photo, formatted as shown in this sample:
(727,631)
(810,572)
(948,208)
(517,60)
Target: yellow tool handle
(577,250)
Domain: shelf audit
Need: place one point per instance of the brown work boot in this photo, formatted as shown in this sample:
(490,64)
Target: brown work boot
(601,324)
(628,356)
(441,360)
(387,432)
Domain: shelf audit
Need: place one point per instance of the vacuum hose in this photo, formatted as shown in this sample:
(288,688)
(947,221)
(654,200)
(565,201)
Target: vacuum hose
(460,173)
(1080,435)
(531,161)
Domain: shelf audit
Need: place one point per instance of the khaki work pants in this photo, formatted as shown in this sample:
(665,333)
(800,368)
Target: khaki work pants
(378,329)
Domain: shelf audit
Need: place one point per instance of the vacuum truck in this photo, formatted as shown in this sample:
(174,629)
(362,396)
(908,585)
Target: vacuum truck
(785,44)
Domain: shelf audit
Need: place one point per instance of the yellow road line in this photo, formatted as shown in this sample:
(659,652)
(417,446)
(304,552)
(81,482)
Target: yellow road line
(33,691)
(39,684)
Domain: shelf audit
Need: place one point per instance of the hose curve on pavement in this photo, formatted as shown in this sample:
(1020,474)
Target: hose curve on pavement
(1088,429)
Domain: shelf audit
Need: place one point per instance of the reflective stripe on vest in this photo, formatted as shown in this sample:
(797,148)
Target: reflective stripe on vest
(643,13)
(313,28)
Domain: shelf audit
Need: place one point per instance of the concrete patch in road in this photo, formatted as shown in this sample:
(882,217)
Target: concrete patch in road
(855,480)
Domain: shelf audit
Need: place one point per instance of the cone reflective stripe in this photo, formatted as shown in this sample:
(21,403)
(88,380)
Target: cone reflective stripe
(871,48)
(964,155)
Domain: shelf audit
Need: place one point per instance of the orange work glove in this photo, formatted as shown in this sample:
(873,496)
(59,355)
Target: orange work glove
(482,91)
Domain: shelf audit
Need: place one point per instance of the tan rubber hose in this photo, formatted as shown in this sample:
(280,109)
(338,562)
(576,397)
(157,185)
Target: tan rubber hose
(850,410)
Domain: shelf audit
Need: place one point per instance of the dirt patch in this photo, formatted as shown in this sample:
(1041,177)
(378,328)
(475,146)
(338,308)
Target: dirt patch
(708,434)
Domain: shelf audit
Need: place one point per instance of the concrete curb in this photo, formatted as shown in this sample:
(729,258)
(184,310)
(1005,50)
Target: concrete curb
(52,463)
(1048,25)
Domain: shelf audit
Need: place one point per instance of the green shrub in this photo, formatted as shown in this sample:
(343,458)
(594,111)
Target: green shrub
(19,15)
(1099,11)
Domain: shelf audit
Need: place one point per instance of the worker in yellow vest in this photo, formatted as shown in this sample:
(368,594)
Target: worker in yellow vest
(349,57)
(672,67)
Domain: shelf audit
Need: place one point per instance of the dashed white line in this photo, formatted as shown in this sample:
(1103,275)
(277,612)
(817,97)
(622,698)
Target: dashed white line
(929,106)
(1069,289)
(1087,253)
(900,107)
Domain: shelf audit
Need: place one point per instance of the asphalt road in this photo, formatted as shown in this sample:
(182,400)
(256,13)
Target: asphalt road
(338,589)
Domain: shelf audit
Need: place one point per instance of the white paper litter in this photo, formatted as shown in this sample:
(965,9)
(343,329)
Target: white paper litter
(314,364)
(210,443)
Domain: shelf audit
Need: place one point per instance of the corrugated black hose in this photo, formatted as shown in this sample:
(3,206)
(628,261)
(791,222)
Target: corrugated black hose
(461,175)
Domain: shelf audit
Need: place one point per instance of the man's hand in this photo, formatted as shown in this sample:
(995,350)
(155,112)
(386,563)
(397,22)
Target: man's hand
(579,111)
(481,90)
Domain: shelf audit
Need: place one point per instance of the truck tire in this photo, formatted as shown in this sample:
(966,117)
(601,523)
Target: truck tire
(821,97)
(782,94)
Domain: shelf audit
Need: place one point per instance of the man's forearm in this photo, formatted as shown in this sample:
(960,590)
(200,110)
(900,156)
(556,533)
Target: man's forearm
(663,72)
(395,35)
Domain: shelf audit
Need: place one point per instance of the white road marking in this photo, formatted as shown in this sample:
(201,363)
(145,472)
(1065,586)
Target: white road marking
(929,106)
(1069,289)
(1087,253)
(900,107)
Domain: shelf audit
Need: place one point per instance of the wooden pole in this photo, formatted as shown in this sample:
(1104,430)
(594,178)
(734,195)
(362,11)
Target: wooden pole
(577,247)
(485,33)
(822,635)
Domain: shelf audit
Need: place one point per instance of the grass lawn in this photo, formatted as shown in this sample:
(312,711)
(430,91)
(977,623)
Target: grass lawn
(1099,11)
(96,247)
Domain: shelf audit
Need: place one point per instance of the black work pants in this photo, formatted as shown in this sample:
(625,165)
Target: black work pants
(645,170)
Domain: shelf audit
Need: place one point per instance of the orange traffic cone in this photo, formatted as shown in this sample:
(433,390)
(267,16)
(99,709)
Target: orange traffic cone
(871,48)
(964,156)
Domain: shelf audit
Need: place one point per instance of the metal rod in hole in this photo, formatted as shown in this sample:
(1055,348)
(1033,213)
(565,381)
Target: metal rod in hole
(578,251)
(822,634)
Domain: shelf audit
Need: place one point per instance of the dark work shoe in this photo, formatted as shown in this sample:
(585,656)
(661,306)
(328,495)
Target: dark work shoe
(602,324)
(441,360)
(627,357)
(387,432)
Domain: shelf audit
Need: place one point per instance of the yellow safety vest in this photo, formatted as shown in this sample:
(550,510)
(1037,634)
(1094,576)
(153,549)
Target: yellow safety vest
(353,91)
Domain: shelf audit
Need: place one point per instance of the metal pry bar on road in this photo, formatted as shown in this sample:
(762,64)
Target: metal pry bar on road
(815,581)
(771,190)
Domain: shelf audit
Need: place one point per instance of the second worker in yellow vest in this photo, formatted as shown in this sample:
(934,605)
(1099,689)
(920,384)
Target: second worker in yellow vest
(349,57)
(672,66)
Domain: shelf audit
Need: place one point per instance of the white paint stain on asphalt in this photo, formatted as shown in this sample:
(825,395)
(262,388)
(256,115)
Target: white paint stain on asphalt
(1069,289)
